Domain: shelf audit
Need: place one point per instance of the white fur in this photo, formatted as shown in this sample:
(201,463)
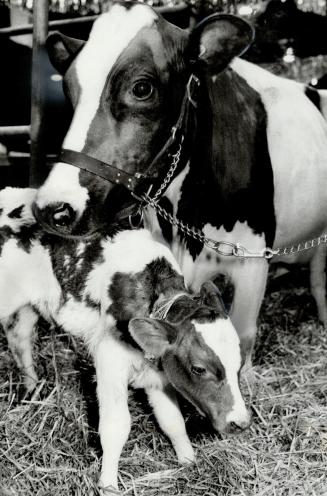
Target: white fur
(12,198)
(62,185)
(222,338)
(111,34)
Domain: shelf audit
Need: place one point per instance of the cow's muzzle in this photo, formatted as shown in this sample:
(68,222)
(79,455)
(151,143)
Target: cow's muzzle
(59,218)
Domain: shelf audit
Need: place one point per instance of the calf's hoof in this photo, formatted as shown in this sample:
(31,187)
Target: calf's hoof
(185,455)
(108,490)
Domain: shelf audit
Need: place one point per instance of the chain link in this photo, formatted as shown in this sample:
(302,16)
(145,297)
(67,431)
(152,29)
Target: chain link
(224,248)
(170,173)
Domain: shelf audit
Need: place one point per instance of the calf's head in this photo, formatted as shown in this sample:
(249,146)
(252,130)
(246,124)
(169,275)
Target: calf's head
(200,354)
(126,84)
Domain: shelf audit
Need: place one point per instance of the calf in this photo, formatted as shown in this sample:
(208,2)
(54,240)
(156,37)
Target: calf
(126,298)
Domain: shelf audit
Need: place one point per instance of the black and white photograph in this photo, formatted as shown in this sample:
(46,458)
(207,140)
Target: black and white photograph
(163,244)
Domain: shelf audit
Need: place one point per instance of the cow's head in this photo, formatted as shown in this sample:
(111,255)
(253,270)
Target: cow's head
(126,84)
(200,355)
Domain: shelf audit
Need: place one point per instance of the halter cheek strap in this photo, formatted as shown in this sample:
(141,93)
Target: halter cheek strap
(101,169)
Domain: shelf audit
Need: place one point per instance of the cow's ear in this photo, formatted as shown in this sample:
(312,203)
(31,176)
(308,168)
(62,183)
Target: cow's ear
(152,335)
(210,296)
(219,38)
(62,50)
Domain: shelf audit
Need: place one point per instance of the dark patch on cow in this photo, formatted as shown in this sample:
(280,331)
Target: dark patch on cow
(1,211)
(133,295)
(12,321)
(24,238)
(159,278)
(128,297)
(235,175)
(128,5)
(191,308)
(72,278)
(16,213)
(91,303)
(226,289)
(313,96)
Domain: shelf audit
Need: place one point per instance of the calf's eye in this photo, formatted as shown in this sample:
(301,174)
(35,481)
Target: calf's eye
(197,370)
(142,90)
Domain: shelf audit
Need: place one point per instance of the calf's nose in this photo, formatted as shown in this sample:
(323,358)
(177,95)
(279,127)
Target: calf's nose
(236,426)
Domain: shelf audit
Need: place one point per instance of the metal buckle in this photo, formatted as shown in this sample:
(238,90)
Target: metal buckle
(192,80)
(139,212)
(216,245)
(242,252)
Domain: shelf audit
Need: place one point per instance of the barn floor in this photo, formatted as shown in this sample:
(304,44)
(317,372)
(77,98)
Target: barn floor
(49,444)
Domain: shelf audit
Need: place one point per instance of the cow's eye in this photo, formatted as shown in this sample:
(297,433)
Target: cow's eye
(142,90)
(197,370)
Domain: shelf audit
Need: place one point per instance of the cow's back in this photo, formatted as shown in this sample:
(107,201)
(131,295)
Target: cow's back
(297,141)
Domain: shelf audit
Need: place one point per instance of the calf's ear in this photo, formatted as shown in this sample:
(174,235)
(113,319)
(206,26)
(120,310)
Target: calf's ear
(62,50)
(211,297)
(216,40)
(152,335)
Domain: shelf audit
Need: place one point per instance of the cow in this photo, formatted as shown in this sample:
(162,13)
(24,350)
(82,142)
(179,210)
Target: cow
(282,22)
(231,159)
(125,297)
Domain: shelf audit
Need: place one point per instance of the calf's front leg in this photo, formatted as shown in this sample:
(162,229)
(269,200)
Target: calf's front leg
(171,421)
(112,370)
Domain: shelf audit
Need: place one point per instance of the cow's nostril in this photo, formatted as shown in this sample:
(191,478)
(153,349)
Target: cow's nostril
(63,215)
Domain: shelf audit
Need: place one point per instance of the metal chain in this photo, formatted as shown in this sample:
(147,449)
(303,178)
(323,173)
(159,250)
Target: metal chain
(170,173)
(227,248)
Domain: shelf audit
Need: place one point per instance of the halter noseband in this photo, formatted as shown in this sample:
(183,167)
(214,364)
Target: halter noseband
(132,182)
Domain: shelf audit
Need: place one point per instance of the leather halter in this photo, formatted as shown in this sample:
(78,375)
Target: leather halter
(132,182)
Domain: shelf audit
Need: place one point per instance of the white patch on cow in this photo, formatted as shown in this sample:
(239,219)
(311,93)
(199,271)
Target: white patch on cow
(78,319)
(20,337)
(66,261)
(111,34)
(222,338)
(113,365)
(80,249)
(26,285)
(174,190)
(62,185)
(297,140)
(131,251)
(12,198)
(79,264)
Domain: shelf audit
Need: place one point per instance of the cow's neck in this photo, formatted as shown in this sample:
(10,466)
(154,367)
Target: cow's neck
(229,177)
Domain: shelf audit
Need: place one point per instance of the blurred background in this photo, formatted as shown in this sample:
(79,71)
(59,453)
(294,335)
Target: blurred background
(291,40)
